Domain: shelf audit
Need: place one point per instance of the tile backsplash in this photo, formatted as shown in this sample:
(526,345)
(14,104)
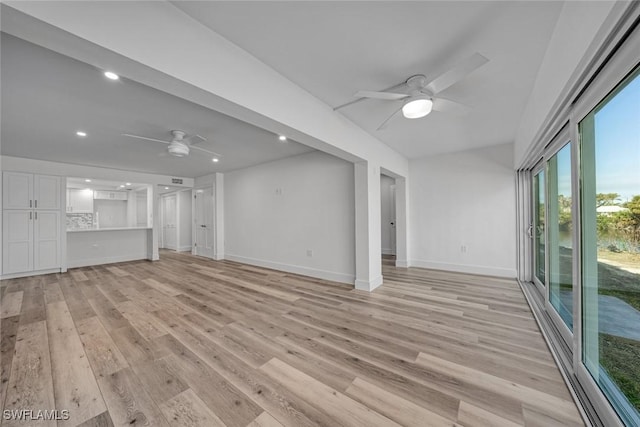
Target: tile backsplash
(79,221)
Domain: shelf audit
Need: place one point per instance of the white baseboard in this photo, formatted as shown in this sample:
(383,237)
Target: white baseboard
(305,271)
(31,273)
(105,260)
(368,285)
(387,251)
(466,268)
(184,249)
(402,263)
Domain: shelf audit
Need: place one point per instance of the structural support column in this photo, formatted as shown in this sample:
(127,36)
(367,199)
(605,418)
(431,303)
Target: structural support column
(153,218)
(368,234)
(402,223)
(218,216)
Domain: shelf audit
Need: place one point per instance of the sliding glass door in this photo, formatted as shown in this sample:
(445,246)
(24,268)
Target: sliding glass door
(539,233)
(560,227)
(610,159)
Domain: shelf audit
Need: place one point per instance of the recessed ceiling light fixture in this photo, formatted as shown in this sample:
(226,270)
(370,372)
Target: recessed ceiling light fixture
(215,160)
(111,75)
(166,188)
(128,183)
(282,138)
(121,185)
(81,134)
(87,180)
(416,107)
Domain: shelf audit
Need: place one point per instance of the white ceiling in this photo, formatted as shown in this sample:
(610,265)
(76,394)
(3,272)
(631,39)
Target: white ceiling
(46,97)
(333,49)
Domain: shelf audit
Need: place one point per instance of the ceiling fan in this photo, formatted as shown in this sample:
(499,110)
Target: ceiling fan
(181,144)
(419,96)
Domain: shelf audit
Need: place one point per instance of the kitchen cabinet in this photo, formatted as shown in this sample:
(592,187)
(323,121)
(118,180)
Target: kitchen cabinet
(79,201)
(110,195)
(28,191)
(31,240)
(30,223)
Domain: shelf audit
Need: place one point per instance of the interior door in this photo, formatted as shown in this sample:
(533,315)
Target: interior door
(203,221)
(169,222)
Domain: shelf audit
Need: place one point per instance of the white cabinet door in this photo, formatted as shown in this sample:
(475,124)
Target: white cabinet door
(17,248)
(17,190)
(46,192)
(46,240)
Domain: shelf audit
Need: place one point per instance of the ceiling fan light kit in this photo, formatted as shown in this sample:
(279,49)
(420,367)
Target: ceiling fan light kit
(416,107)
(178,149)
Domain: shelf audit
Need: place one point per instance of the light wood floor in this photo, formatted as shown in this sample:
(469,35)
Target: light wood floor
(192,342)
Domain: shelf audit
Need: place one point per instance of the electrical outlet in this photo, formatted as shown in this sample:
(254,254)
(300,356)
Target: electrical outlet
(309,252)
(463,249)
(278,191)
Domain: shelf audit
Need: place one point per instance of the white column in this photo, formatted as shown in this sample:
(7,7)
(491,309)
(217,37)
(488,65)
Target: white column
(152,213)
(402,223)
(218,215)
(368,234)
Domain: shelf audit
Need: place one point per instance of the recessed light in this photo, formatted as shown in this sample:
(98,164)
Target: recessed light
(81,134)
(282,138)
(166,188)
(111,75)
(87,180)
(121,185)
(128,183)
(216,160)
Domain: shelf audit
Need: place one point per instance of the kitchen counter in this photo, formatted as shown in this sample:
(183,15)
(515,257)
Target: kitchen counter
(79,230)
(95,246)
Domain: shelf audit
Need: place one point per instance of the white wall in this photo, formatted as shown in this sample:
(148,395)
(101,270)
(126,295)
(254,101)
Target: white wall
(577,26)
(386,213)
(464,199)
(276,212)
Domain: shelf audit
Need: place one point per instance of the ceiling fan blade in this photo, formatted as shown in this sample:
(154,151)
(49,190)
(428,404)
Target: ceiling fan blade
(391,96)
(457,73)
(147,138)
(194,139)
(386,122)
(205,150)
(447,106)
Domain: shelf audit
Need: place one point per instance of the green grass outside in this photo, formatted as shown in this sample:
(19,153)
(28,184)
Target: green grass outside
(619,357)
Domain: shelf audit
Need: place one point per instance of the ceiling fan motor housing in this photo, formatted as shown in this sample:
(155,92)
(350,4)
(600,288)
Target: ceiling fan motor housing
(178,149)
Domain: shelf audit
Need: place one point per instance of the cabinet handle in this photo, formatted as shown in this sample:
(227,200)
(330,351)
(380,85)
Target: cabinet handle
(36,205)
(36,215)
(30,203)
(30,215)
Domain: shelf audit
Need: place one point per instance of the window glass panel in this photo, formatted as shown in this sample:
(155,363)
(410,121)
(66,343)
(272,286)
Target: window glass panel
(538,226)
(610,149)
(560,228)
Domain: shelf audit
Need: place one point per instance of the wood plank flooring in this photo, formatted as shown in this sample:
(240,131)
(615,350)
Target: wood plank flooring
(187,341)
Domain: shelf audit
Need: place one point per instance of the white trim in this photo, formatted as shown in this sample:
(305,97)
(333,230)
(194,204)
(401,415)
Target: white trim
(402,263)
(184,249)
(305,271)
(107,260)
(465,268)
(30,273)
(368,285)
(388,251)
